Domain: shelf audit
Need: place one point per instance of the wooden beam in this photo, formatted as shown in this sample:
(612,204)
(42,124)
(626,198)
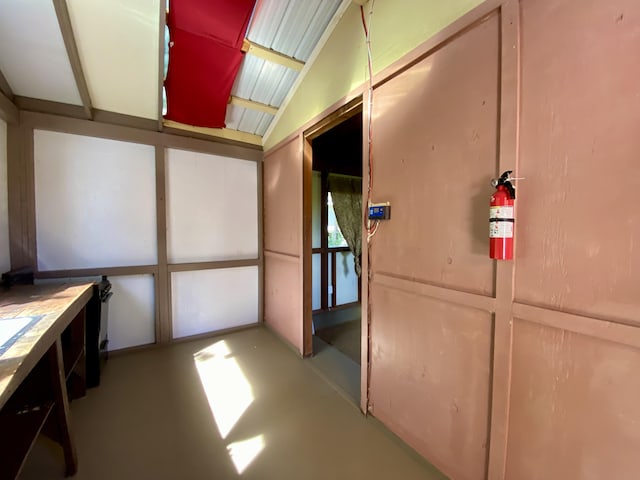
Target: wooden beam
(46,106)
(287,257)
(271,55)
(162,24)
(510,85)
(225,133)
(8,110)
(61,406)
(121,130)
(5,87)
(261,107)
(95,272)
(162,279)
(214,265)
(64,20)
(260,199)
(124,120)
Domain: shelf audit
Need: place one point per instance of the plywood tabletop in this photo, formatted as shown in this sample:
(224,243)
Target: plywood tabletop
(57,305)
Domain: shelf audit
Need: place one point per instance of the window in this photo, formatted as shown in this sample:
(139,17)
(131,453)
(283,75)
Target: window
(333,230)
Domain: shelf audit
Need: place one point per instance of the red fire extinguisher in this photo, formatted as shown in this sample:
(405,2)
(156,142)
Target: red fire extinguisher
(501,219)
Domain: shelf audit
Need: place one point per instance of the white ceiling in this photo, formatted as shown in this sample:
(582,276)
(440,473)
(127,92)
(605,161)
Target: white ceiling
(118,48)
(33,57)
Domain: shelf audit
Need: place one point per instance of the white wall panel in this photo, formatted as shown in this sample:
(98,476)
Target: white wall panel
(316,281)
(212,209)
(131,311)
(210,300)
(346,279)
(4,208)
(33,57)
(316,210)
(329,277)
(95,202)
(131,308)
(118,46)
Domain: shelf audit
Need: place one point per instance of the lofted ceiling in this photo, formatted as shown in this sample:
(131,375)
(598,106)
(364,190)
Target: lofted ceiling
(96,58)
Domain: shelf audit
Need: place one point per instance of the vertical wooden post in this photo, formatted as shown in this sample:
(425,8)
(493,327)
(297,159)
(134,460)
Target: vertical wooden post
(365,313)
(503,318)
(163,282)
(77,379)
(61,407)
(21,196)
(260,167)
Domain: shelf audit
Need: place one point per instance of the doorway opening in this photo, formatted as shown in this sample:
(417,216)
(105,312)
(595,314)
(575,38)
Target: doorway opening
(334,244)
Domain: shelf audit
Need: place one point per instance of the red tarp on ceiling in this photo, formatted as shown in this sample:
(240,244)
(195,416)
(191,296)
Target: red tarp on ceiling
(204,58)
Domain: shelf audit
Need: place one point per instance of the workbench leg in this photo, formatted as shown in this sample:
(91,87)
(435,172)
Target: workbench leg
(61,407)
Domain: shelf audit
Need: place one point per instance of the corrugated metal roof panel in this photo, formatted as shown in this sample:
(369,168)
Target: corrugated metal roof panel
(318,25)
(267,18)
(247,76)
(283,89)
(264,124)
(250,120)
(292,27)
(263,82)
(269,81)
(247,120)
(233,117)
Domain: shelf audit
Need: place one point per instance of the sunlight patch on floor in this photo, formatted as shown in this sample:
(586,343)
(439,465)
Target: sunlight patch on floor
(245,452)
(227,389)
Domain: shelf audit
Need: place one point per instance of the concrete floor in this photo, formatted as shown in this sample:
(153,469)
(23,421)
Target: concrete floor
(337,369)
(341,328)
(240,405)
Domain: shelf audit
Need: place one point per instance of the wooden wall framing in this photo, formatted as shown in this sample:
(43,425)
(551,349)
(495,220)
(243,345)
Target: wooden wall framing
(575,352)
(529,342)
(22,215)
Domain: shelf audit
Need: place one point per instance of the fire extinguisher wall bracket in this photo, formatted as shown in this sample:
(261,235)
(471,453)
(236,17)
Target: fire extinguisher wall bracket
(501,218)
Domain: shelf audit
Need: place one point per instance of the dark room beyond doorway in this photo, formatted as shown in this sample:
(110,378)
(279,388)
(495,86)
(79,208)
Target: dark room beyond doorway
(336,235)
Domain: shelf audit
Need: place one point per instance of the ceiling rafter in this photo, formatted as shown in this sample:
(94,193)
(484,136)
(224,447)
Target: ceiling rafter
(5,87)
(271,55)
(253,105)
(64,20)
(224,133)
(46,106)
(8,110)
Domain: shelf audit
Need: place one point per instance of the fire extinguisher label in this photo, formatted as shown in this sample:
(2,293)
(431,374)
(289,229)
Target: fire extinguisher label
(501,230)
(501,212)
(501,222)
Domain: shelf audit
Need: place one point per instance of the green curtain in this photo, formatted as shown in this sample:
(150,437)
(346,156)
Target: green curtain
(346,193)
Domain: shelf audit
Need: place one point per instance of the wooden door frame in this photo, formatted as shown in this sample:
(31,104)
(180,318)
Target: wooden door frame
(343,113)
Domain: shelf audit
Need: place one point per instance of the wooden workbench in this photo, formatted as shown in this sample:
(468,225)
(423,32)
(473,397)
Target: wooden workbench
(37,367)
